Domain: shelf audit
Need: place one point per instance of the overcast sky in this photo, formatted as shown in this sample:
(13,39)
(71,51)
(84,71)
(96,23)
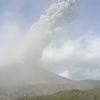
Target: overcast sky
(64,41)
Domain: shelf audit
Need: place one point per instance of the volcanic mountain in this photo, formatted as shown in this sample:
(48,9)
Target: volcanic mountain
(20,74)
(24,80)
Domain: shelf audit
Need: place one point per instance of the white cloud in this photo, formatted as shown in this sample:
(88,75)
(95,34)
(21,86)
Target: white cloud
(65,74)
(83,52)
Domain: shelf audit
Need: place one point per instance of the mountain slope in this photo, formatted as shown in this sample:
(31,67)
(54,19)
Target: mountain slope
(19,74)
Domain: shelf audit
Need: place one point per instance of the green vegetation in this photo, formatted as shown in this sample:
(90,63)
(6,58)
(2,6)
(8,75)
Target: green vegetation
(86,87)
(93,94)
(95,91)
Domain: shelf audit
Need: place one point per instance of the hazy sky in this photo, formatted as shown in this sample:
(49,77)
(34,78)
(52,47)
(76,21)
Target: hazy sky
(70,49)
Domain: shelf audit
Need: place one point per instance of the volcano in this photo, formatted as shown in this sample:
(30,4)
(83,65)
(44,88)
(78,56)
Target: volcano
(20,74)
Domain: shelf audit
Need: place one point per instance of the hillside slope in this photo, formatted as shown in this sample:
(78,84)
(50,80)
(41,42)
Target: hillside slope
(95,91)
(65,95)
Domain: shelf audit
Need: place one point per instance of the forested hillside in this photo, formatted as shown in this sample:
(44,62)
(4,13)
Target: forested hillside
(93,94)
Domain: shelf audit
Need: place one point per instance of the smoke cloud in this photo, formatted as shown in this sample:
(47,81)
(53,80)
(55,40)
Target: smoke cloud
(39,35)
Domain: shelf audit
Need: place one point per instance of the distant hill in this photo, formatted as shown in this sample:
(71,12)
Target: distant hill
(86,84)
